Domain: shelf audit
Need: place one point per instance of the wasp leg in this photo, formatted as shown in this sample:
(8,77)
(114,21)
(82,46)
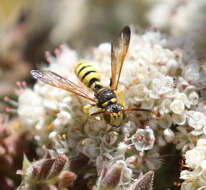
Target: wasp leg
(121,98)
(86,108)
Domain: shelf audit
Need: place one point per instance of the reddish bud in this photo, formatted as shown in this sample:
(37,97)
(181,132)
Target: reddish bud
(112,178)
(66,178)
(144,182)
(45,168)
(59,163)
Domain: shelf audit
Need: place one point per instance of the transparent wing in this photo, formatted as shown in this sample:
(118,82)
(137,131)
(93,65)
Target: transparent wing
(118,53)
(56,80)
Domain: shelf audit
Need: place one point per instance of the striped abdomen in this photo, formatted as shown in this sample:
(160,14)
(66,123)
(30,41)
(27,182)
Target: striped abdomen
(91,78)
(88,75)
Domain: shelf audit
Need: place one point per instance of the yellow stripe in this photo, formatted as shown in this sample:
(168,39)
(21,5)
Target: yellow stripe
(90,77)
(81,71)
(105,104)
(113,100)
(97,82)
(100,90)
(85,70)
(80,65)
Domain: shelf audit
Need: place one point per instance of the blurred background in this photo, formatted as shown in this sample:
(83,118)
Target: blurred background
(28,28)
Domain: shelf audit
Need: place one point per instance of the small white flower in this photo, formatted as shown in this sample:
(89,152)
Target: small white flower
(173,65)
(165,106)
(179,119)
(110,138)
(189,185)
(162,85)
(29,111)
(201,142)
(188,175)
(93,127)
(129,128)
(132,161)
(53,134)
(203,165)
(193,98)
(194,157)
(191,72)
(89,147)
(169,135)
(143,139)
(182,97)
(62,119)
(196,120)
(122,147)
(165,121)
(177,106)
(138,92)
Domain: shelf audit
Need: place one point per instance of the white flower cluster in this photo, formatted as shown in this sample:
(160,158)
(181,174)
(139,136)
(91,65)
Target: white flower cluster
(154,76)
(195,179)
(181,18)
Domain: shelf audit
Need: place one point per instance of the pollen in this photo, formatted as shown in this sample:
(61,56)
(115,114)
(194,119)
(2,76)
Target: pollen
(64,136)
(83,143)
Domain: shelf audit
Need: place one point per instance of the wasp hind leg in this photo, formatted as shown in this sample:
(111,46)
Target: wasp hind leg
(86,109)
(92,110)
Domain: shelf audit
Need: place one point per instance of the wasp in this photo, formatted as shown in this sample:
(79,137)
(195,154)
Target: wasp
(105,98)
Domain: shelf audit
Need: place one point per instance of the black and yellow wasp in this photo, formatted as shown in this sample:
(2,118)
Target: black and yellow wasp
(105,98)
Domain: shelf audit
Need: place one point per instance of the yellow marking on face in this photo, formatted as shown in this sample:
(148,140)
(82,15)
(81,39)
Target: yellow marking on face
(116,118)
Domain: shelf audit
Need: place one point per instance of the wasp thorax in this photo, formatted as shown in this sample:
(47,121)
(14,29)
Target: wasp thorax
(114,114)
(105,97)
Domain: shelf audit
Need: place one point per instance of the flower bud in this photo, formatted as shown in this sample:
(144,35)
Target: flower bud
(66,178)
(112,177)
(144,182)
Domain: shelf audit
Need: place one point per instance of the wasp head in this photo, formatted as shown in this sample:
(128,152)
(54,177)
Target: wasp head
(114,114)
